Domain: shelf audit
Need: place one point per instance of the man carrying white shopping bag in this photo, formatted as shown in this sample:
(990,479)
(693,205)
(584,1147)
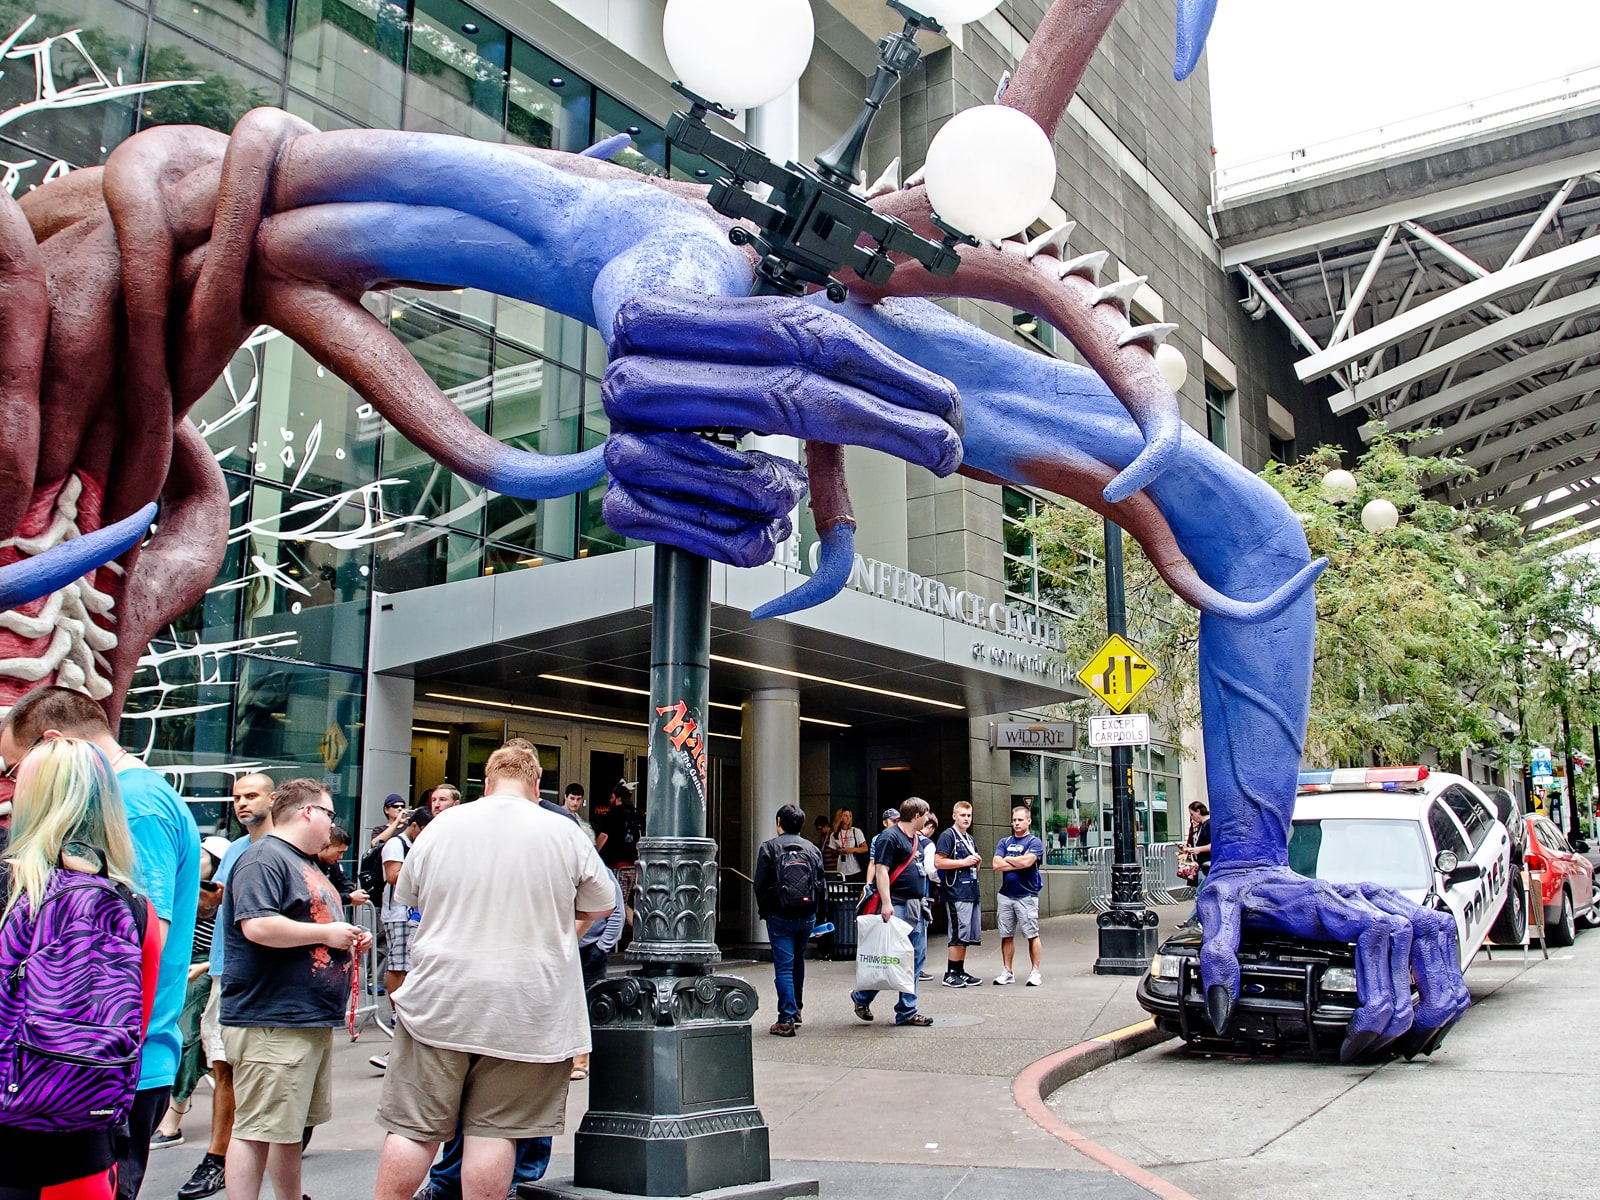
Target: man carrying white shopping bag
(900,888)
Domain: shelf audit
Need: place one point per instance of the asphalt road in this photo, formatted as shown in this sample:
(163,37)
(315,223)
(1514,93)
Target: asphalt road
(1503,1108)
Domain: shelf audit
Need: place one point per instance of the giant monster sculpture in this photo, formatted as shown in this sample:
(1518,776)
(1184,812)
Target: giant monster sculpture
(124,290)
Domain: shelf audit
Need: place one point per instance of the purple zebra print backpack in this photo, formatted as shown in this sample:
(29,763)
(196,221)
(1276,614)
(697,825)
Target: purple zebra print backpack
(72,1013)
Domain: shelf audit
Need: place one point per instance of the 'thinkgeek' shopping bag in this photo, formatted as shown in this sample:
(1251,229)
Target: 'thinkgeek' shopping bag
(885,961)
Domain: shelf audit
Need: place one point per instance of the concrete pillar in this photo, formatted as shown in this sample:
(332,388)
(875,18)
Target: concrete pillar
(386,761)
(769,758)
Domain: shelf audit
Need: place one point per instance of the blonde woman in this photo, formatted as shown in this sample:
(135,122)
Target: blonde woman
(67,818)
(850,844)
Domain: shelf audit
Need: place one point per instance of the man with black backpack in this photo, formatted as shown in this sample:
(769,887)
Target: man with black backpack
(790,894)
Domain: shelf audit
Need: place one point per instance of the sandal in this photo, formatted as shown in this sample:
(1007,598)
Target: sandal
(579,1073)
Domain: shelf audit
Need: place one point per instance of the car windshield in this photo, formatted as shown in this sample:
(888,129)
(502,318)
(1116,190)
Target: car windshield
(1390,853)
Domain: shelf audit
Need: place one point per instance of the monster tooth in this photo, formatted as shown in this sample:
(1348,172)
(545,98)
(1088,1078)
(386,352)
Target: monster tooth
(1056,237)
(1087,265)
(916,178)
(888,182)
(1154,334)
(1122,293)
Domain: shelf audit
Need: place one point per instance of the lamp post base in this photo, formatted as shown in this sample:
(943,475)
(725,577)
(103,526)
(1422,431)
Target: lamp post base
(1128,937)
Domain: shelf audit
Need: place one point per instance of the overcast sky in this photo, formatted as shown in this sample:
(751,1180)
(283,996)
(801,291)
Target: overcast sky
(1290,73)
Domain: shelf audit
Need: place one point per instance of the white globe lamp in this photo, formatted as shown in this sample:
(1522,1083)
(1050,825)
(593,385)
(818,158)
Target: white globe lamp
(739,53)
(954,12)
(1339,486)
(1173,365)
(990,171)
(1379,515)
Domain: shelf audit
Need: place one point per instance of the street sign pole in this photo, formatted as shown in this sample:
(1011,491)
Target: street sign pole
(1128,929)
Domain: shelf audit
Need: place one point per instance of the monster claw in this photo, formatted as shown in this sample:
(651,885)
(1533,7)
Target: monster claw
(30,579)
(1194,26)
(837,557)
(1357,1046)
(609,148)
(1219,1007)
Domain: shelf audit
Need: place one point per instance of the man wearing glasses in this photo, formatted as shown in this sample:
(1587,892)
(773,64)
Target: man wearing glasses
(167,844)
(285,986)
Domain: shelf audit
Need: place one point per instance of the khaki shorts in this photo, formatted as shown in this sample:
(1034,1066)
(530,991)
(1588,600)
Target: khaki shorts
(211,1025)
(428,1092)
(282,1081)
(1014,913)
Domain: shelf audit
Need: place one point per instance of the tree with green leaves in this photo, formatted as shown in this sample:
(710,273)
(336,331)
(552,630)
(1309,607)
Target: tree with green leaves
(1426,632)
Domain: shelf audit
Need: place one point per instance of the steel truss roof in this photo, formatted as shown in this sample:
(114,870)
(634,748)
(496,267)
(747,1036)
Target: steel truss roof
(1471,316)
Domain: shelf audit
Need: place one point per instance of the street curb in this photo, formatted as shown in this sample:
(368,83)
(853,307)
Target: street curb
(1038,1081)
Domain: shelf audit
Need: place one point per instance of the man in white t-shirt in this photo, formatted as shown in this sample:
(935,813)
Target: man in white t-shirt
(492,1013)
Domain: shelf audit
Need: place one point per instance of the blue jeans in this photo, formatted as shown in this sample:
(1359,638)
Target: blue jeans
(789,936)
(906,1006)
(533,1156)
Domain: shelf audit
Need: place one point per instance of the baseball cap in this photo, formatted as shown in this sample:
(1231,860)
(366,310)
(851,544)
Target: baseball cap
(216,845)
(890,814)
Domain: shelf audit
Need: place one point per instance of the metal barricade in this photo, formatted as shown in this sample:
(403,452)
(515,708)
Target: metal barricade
(368,1003)
(1162,884)
(1099,862)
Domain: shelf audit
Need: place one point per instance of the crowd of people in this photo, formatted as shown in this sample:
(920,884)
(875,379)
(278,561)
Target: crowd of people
(910,867)
(144,958)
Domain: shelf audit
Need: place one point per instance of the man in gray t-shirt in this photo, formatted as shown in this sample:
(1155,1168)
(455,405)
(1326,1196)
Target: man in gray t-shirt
(397,924)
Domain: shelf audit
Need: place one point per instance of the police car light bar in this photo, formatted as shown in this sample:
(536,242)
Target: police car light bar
(1358,779)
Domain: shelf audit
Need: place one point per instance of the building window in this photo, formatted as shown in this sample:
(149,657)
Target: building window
(1282,450)
(1217,404)
(1035,329)
(1029,585)
(1070,797)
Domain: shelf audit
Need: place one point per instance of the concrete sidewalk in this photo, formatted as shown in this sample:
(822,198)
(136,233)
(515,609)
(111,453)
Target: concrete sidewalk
(911,1111)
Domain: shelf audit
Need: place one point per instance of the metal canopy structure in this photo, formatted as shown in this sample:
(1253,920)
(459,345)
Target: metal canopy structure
(1446,285)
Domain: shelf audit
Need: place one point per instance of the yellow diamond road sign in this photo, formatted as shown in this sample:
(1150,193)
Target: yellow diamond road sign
(1117,673)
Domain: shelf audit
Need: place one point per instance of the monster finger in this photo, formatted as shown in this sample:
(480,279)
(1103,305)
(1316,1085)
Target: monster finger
(657,519)
(1219,904)
(673,394)
(689,467)
(777,331)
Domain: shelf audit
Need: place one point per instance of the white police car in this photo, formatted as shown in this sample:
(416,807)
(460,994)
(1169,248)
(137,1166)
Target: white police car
(1435,837)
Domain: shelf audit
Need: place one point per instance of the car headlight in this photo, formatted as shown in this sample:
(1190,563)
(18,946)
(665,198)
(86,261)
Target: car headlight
(1339,979)
(1165,966)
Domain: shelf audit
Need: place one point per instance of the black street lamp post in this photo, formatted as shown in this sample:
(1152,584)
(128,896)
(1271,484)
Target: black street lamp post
(1128,933)
(672,1102)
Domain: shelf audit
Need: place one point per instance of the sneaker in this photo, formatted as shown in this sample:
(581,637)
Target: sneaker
(970,980)
(782,1029)
(925,976)
(426,1192)
(207,1180)
(1035,980)
(863,1012)
(955,981)
(381,1061)
(1004,978)
(798,1013)
(917,1021)
(165,1141)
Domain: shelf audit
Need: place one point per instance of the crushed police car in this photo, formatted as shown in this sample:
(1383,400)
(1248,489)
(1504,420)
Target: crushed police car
(1433,836)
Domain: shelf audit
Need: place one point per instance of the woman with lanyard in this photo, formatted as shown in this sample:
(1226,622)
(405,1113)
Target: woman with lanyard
(850,844)
(957,858)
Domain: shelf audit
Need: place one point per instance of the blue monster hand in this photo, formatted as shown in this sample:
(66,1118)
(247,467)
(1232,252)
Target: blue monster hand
(770,365)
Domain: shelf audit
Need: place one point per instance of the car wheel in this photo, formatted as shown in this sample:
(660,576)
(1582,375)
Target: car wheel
(1510,927)
(1565,931)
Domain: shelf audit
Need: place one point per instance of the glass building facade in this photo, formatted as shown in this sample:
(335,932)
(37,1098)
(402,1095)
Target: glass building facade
(329,502)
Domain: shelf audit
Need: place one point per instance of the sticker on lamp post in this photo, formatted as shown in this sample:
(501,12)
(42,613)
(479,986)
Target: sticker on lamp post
(1129,729)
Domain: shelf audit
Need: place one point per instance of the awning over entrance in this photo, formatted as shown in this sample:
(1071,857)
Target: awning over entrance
(859,659)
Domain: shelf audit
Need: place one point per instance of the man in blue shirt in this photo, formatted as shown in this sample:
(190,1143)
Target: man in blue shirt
(1017,906)
(167,844)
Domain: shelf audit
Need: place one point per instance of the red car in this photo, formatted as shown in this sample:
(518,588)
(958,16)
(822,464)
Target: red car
(1568,881)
